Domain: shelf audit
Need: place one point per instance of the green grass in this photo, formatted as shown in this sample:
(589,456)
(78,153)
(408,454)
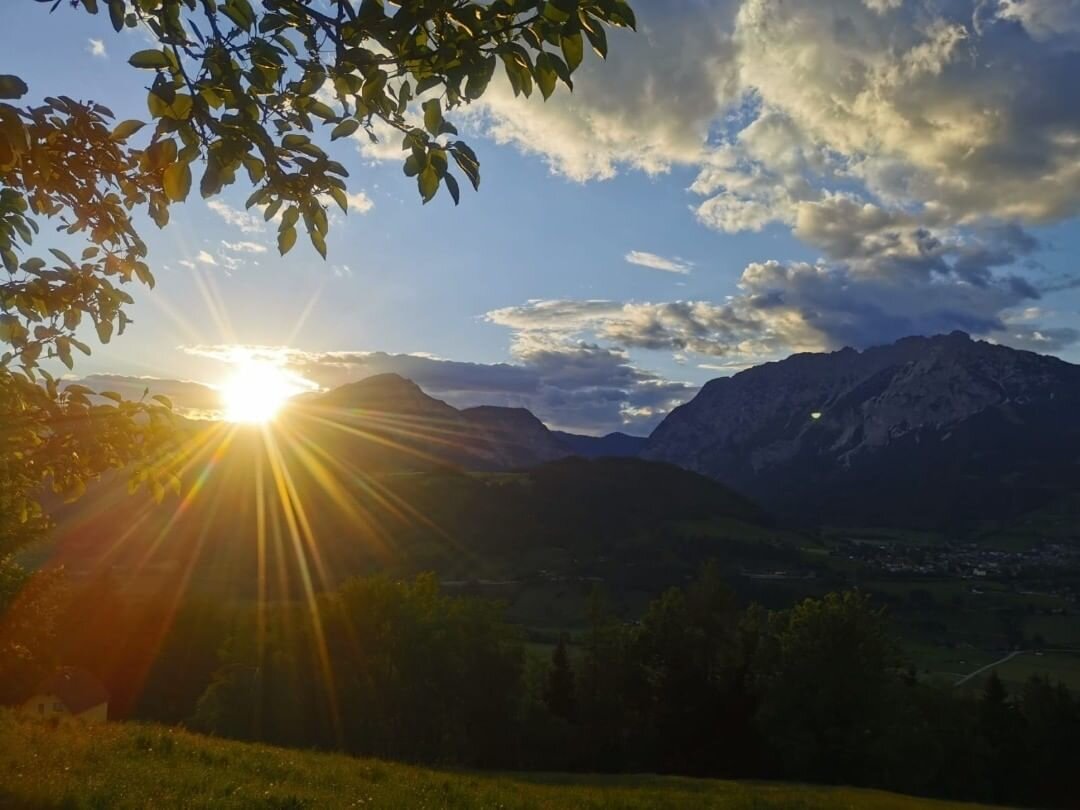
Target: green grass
(1060,666)
(116,766)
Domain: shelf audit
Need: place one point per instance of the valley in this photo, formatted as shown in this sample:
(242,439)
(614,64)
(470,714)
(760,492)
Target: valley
(497,505)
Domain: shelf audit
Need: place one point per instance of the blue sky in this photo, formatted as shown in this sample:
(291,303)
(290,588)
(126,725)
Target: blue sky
(823,173)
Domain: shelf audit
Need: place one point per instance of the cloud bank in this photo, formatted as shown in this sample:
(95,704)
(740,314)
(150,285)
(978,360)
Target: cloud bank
(576,386)
(911,143)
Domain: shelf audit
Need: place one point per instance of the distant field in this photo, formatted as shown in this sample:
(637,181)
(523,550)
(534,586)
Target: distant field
(119,766)
(1064,667)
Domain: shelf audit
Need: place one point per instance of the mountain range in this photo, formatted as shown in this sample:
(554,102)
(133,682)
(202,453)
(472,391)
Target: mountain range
(396,426)
(379,476)
(925,431)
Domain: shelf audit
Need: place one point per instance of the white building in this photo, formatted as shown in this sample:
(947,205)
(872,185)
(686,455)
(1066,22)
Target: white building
(70,692)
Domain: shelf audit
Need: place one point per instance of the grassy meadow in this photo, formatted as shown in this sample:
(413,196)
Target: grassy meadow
(117,765)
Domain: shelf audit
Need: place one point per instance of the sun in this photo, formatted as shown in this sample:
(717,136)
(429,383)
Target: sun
(256,391)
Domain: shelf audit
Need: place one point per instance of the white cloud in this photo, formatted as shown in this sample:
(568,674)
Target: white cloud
(887,277)
(655,262)
(648,107)
(911,143)
(964,108)
(1043,19)
(244,247)
(387,143)
(205,258)
(359,202)
(943,105)
(244,220)
(96,47)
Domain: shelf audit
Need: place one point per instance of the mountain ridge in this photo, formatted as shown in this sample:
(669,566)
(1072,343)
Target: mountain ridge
(483,437)
(865,435)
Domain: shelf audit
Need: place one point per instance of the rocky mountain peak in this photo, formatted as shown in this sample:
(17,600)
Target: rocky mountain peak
(771,430)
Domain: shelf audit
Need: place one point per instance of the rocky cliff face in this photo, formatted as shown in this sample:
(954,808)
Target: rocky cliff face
(924,430)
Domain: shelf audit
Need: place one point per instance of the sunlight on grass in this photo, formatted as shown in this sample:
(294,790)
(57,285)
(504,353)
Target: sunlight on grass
(71,765)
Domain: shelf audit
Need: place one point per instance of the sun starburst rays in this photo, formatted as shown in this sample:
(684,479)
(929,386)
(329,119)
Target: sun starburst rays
(256,507)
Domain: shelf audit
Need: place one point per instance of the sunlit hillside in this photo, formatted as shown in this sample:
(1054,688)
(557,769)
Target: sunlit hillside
(136,766)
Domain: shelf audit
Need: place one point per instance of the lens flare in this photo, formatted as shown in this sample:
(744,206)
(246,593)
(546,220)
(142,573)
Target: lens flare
(256,391)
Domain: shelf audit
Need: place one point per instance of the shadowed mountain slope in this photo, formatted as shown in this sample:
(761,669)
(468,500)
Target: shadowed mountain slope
(924,431)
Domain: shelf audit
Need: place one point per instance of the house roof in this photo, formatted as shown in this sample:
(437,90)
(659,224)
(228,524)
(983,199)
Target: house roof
(76,688)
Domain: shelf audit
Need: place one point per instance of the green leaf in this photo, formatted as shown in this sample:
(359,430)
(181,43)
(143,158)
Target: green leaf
(161,154)
(9,259)
(478,80)
(428,182)
(63,349)
(62,256)
(452,187)
(344,129)
(144,275)
(176,181)
(467,162)
(149,59)
(573,48)
(256,169)
(240,12)
(433,117)
(178,109)
(546,76)
(271,210)
(625,14)
(340,198)
(12,86)
(286,239)
(554,13)
(116,14)
(104,330)
(598,39)
(288,219)
(294,140)
(164,400)
(125,129)
(319,241)
(322,110)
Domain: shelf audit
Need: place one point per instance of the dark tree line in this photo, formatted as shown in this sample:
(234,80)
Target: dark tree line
(816,692)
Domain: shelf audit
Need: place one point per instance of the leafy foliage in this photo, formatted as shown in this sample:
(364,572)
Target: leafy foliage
(559,685)
(61,160)
(232,90)
(250,90)
(417,675)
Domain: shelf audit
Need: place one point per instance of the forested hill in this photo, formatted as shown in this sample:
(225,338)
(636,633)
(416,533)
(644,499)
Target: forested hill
(288,503)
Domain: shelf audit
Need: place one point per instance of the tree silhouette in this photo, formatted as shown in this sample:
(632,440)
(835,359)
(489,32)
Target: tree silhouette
(559,693)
